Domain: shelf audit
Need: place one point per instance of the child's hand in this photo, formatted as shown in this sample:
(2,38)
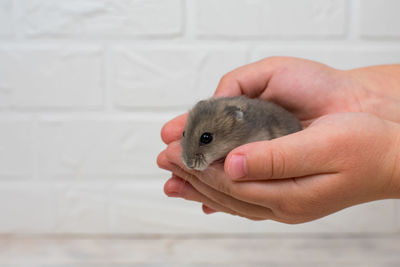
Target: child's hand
(340,160)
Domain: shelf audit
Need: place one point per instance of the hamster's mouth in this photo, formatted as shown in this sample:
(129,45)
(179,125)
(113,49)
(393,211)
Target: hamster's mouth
(220,160)
(201,164)
(200,167)
(204,165)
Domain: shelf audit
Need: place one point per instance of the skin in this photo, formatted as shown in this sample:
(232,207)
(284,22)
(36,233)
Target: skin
(348,153)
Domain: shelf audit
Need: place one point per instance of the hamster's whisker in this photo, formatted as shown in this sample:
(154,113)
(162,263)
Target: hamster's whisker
(203,159)
(197,162)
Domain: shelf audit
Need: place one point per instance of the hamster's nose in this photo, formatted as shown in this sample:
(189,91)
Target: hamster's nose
(189,165)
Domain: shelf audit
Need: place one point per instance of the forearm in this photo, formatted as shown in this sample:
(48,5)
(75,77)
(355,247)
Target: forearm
(382,78)
(394,190)
(377,89)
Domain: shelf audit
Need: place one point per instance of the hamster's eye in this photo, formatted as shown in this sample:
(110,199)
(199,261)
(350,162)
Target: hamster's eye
(206,138)
(183,134)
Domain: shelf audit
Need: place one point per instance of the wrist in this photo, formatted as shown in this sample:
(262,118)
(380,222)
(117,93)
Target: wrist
(377,90)
(384,79)
(394,177)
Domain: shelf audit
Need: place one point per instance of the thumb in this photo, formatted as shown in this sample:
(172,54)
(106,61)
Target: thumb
(307,152)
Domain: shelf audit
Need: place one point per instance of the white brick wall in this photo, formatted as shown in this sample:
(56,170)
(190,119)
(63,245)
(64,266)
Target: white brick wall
(16,149)
(168,77)
(83,18)
(57,77)
(109,148)
(260,18)
(378,22)
(85,87)
(28,206)
(337,55)
(6,18)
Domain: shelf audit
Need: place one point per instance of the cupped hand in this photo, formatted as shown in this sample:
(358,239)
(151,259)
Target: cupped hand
(338,161)
(309,90)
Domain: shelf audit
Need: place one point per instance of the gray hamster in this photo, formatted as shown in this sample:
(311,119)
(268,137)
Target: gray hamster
(216,126)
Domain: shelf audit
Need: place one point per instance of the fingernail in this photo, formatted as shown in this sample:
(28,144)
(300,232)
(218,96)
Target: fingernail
(208,210)
(173,194)
(237,167)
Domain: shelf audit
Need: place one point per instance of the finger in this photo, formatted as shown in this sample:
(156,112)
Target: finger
(174,186)
(178,187)
(215,178)
(279,195)
(207,210)
(163,162)
(307,152)
(182,188)
(172,130)
(233,205)
(271,194)
(251,80)
(240,207)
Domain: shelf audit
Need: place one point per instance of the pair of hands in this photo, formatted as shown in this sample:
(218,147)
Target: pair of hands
(348,152)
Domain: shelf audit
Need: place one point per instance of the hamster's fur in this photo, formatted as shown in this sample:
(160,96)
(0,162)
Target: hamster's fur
(231,122)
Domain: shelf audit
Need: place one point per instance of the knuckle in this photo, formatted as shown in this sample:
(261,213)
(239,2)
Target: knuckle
(283,208)
(210,177)
(221,196)
(186,193)
(222,187)
(225,78)
(292,214)
(255,218)
(161,159)
(274,165)
(289,210)
(296,211)
(273,59)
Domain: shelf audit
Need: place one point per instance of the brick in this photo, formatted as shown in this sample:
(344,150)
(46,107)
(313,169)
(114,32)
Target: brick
(15,149)
(6,19)
(27,207)
(380,18)
(82,207)
(102,17)
(51,77)
(260,18)
(168,77)
(97,149)
(341,57)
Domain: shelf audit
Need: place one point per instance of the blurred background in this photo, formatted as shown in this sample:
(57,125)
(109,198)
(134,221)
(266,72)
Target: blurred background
(85,87)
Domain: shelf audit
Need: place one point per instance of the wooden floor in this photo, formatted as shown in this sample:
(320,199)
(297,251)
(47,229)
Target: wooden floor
(190,251)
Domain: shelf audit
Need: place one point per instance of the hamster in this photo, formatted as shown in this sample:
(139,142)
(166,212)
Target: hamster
(216,126)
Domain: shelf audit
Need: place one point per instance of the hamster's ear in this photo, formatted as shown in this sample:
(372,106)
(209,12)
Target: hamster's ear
(234,112)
